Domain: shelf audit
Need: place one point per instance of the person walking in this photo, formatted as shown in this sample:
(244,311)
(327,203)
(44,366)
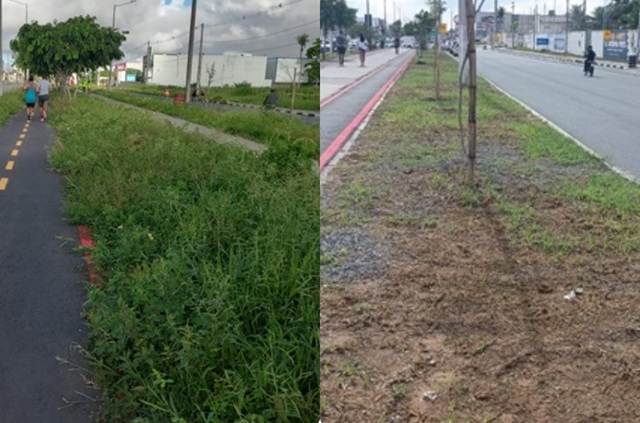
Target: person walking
(396,44)
(362,49)
(341,43)
(30,96)
(44,87)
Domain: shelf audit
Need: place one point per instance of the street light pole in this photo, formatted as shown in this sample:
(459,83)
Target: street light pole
(113,26)
(26,21)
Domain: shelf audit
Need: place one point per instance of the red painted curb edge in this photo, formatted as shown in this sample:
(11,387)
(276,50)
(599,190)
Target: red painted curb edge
(337,143)
(87,242)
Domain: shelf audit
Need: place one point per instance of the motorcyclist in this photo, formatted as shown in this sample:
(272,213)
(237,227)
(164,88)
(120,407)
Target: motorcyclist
(590,58)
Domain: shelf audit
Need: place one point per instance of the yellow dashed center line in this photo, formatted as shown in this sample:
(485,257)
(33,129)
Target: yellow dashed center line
(10,164)
(19,143)
(25,130)
(3,183)
(14,153)
(22,136)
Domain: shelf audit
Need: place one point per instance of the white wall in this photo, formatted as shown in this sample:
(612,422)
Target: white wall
(597,42)
(229,69)
(285,69)
(577,42)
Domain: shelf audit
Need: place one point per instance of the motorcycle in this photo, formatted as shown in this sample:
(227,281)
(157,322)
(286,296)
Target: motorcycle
(589,68)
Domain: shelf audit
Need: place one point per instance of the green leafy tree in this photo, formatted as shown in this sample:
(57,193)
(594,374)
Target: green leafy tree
(302,40)
(60,49)
(313,67)
(396,28)
(345,16)
(500,21)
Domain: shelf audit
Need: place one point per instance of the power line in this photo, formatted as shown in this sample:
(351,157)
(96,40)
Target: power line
(261,36)
(261,12)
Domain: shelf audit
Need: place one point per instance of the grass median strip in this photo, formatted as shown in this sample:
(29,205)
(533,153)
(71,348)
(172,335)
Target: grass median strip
(461,290)
(209,256)
(269,128)
(307,97)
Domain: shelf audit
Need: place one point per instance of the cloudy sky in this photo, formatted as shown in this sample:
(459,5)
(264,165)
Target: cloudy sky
(406,9)
(259,27)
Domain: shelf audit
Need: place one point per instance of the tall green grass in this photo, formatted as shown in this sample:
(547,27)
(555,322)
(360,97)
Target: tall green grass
(210,259)
(269,128)
(307,97)
(11,103)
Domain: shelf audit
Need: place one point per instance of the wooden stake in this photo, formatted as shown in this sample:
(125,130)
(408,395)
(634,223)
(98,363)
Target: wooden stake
(293,91)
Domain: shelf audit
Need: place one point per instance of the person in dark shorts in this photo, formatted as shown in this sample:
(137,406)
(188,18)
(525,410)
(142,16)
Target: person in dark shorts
(44,86)
(341,44)
(30,96)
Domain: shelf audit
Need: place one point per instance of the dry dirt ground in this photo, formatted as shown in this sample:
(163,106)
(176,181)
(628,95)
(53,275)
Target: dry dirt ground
(441,303)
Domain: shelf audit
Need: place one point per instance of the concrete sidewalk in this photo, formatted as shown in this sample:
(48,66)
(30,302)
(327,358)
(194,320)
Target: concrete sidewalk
(334,78)
(216,134)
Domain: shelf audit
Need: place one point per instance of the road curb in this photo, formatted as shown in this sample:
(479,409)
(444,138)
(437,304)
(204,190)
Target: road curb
(87,242)
(252,106)
(611,65)
(342,138)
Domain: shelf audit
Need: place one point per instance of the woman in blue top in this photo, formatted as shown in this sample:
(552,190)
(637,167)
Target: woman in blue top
(30,96)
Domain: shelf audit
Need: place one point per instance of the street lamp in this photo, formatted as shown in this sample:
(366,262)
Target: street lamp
(26,9)
(26,21)
(113,26)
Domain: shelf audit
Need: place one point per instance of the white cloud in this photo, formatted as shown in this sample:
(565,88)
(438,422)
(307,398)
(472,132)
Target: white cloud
(152,20)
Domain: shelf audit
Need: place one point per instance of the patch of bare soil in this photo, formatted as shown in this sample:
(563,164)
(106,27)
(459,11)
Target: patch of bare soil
(460,322)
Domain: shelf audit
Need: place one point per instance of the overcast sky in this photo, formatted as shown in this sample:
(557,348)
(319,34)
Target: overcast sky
(407,9)
(266,29)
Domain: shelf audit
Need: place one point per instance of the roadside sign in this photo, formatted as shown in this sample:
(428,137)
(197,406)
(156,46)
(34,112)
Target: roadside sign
(121,66)
(443,28)
(542,41)
(607,35)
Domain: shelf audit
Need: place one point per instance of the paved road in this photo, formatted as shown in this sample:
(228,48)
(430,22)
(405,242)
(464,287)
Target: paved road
(339,113)
(41,291)
(602,112)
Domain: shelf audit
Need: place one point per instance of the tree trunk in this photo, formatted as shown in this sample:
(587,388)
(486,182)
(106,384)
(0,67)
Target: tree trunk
(472,88)
(437,53)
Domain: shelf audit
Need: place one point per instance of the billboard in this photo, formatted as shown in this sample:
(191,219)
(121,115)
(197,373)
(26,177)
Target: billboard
(615,45)
(121,67)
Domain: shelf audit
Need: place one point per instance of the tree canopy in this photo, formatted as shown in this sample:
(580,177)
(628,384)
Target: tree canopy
(62,48)
(335,14)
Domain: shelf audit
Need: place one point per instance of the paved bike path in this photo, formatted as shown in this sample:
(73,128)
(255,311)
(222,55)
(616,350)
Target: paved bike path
(41,287)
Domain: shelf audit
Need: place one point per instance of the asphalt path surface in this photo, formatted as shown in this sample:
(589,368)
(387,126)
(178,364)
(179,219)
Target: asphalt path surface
(338,114)
(601,112)
(41,290)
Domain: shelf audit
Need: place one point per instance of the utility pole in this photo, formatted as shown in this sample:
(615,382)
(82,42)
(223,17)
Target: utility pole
(566,41)
(495,22)
(145,75)
(535,18)
(385,17)
(200,57)
(187,97)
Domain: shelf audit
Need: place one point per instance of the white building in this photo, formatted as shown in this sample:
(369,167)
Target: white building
(220,70)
